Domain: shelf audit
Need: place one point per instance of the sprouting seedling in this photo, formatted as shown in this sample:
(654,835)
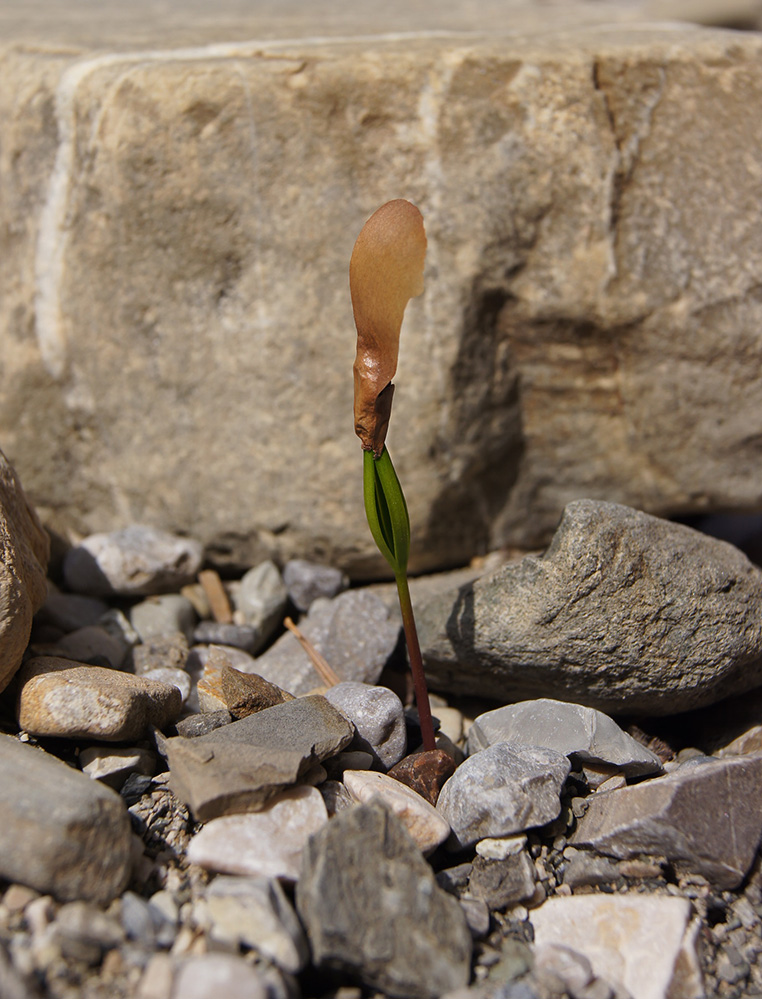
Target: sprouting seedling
(385,272)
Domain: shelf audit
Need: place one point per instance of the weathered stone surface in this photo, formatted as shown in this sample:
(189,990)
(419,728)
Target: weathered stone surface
(166,652)
(698,817)
(261,598)
(583,734)
(267,843)
(61,833)
(112,766)
(241,694)
(425,772)
(558,319)
(503,882)
(370,905)
(240,766)
(378,717)
(423,822)
(62,698)
(162,615)
(202,975)
(624,612)
(24,549)
(502,790)
(307,581)
(134,560)
(255,911)
(645,944)
(354,632)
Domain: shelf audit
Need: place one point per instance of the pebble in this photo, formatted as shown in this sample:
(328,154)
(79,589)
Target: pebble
(697,816)
(366,895)
(242,694)
(339,630)
(112,765)
(58,697)
(70,611)
(85,932)
(255,912)
(93,644)
(196,725)
(261,598)
(77,848)
(237,636)
(424,824)
(500,847)
(584,734)
(309,581)
(425,772)
(205,975)
(169,651)
(503,790)
(172,678)
(378,717)
(501,883)
(133,561)
(166,614)
(647,944)
(239,766)
(268,842)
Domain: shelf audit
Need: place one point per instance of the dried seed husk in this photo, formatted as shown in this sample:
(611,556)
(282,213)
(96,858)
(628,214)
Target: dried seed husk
(385,272)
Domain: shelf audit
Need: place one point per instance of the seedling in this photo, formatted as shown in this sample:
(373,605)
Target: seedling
(385,272)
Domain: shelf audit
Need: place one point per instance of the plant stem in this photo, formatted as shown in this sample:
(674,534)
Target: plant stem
(416,662)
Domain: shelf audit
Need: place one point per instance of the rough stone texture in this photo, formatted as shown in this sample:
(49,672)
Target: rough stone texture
(584,734)
(425,772)
(378,717)
(698,817)
(646,944)
(267,843)
(163,615)
(354,632)
(261,597)
(61,832)
(240,766)
(24,550)
(307,581)
(624,612)
(135,560)
(61,698)
(254,911)
(371,906)
(503,882)
(582,328)
(423,822)
(503,790)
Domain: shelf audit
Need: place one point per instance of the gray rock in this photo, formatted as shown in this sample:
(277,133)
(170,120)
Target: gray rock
(239,766)
(61,833)
(85,932)
(583,734)
(95,644)
(624,612)
(354,632)
(378,717)
(24,550)
(503,790)
(254,911)
(585,869)
(58,697)
(238,636)
(261,597)
(162,615)
(70,611)
(204,975)
(133,561)
(308,581)
(697,817)
(166,652)
(172,677)
(113,765)
(146,922)
(196,725)
(371,906)
(505,882)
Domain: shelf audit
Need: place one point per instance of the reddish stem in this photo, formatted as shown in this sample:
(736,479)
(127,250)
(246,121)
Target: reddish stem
(416,663)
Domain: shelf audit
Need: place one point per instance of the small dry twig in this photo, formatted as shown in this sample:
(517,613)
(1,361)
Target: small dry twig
(216,595)
(326,673)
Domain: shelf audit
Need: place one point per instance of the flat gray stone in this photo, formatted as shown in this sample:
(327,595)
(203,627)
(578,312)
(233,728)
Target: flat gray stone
(169,651)
(354,632)
(240,766)
(624,612)
(162,615)
(130,562)
(308,581)
(94,644)
(61,832)
(378,717)
(24,550)
(261,598)
(503,790)
(204,975)
(58,697)
(698,817)
(371,906)
(504,882)
(254,911)
(583,734)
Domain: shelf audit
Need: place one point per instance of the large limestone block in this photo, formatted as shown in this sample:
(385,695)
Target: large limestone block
(177,330)
(24,549)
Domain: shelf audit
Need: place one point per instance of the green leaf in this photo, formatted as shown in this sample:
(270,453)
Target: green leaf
(386,510)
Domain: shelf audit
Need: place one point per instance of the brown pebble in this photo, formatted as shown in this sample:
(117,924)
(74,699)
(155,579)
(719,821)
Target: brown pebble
(425,772)
(246,693)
